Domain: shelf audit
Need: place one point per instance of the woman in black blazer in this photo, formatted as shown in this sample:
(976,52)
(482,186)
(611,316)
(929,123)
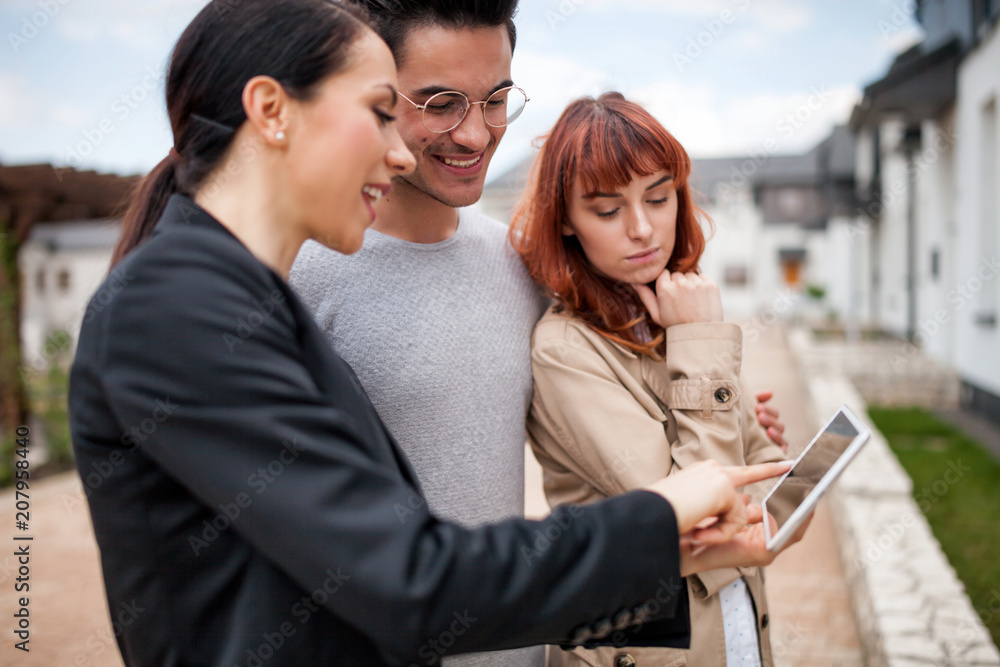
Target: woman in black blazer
(250,507)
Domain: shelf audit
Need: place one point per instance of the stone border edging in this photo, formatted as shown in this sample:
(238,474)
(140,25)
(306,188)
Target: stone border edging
(909,605)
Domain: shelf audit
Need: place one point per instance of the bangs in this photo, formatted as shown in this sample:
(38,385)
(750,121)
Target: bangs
(617,147)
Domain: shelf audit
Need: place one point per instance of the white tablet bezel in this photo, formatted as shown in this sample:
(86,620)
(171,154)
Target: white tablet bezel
(776,541)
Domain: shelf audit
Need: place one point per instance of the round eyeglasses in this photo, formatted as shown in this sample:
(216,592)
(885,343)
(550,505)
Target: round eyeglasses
(445,111)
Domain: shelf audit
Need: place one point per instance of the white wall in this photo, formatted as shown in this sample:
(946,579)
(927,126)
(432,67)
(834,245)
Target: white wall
(977,276)
(735,242)
(890,233)
(936,216)
(52,309)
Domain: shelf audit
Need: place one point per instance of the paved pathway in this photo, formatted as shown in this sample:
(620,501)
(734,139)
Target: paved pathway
(812,622)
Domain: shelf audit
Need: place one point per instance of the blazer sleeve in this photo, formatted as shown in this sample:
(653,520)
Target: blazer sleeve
(197,354)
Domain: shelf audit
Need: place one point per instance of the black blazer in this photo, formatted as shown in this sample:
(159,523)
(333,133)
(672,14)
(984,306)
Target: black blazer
(251,508)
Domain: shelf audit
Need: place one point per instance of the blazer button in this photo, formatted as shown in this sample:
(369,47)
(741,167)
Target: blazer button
(722,394)
(763,621)
(624,660)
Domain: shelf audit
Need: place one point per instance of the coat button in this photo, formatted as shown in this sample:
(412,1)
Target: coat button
(722,394)
(624,660)
(763,621)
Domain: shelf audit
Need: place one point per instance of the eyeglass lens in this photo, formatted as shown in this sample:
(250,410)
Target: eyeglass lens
(445,111)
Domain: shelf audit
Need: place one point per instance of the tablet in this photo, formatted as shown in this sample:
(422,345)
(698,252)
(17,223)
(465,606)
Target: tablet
(819,464)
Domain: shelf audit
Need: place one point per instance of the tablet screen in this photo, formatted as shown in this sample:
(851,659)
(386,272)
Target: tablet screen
(795,494)
(818,458)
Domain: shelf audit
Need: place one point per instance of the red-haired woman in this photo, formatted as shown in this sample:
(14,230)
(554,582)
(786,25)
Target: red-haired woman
(636,374)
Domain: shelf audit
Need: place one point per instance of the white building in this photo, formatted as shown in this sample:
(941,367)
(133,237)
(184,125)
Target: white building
(929,185)
(61,264)
(778,224)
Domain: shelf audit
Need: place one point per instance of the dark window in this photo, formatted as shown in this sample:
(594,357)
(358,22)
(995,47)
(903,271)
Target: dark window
(737,275)
(63,280)
(935,264)
(40,280)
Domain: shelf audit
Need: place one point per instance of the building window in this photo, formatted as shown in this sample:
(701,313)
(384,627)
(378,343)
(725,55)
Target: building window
(737,275)
(792,261)
(40,280)
(989,209)
(792,203)
(62,280)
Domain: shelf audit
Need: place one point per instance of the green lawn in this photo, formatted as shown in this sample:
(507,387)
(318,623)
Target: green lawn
(956,483)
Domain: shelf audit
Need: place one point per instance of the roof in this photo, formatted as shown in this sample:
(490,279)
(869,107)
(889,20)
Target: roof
(832,159)
(918,86)
(76,235)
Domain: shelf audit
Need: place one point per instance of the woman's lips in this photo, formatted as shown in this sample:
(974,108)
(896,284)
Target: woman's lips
(644,257)
(371,193)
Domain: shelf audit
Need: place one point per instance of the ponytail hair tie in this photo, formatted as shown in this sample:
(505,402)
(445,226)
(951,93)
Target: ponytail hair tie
(175,155)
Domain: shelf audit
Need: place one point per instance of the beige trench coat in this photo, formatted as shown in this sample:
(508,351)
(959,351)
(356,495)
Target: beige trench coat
(605,420)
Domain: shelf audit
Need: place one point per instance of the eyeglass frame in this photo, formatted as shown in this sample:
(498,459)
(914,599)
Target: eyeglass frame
(423,107)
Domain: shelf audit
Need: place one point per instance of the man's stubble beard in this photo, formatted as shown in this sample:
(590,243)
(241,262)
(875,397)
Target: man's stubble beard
(405,184)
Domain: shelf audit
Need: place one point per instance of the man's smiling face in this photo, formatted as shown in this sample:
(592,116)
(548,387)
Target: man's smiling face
(451,166)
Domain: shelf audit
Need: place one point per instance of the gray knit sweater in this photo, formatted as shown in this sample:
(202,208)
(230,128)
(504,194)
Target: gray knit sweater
(439,335)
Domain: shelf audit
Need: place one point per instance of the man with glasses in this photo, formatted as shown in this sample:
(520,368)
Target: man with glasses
(435,313)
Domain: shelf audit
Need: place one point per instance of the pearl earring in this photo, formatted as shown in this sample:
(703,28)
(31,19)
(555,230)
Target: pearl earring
(280,136)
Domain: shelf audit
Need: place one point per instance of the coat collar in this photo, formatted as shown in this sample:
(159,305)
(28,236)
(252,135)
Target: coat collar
(182,211)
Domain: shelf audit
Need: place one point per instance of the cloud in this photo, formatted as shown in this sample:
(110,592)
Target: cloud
(776,15)
(72,115)
(902,39)
(147,26)
(710,126)
(18,109)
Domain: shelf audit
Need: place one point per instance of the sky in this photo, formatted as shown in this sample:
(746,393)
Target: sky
(81,81)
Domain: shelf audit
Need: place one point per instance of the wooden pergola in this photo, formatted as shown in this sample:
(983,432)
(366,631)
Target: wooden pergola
(30,194)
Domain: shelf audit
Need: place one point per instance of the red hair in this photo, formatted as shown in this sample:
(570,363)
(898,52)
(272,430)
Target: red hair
(604,143)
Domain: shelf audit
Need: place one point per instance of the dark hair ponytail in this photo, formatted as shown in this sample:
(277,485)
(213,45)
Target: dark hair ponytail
(297,42)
